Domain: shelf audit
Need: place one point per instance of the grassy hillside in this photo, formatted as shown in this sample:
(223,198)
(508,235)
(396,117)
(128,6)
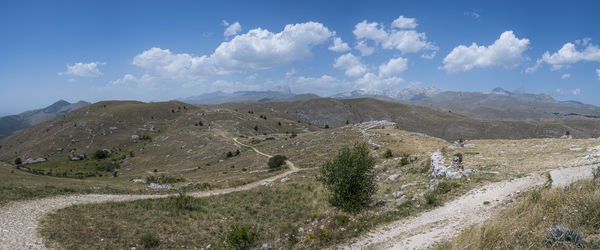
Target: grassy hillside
(447,125)
(295,213)
(526,224)
(173,139)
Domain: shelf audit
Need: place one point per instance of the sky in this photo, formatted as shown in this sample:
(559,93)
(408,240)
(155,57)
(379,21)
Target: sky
(163,50)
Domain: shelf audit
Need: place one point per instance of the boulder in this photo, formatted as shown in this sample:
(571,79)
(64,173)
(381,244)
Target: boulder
(31,161)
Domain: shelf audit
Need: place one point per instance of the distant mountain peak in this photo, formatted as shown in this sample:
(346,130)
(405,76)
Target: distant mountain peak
(413,93)
(500,91)
(282,89)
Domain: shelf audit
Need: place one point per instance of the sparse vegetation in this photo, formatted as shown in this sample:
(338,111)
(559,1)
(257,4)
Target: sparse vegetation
(350,178)
(149,240)
(545,218)
(163,179)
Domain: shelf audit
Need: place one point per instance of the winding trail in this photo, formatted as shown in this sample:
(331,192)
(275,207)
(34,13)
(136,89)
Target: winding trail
(19,220)
(445,222)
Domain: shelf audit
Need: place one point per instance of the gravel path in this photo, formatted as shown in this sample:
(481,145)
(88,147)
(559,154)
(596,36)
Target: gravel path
(19,220)
(424,230)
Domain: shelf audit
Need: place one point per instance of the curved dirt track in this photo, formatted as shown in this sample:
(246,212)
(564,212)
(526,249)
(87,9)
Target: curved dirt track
(445,222)
(19,220)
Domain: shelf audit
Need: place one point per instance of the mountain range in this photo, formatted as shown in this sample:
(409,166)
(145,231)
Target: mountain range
(10,124)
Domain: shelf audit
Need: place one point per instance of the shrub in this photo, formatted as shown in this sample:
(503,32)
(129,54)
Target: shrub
(276,161)
(100,154)
(350,178)
(163,179)
(431,199)
(185,202)
(149,240)
(18,161)
(241,237)
(562,234)
(405,160)
(596,172)
(145,138)
(229,154)
(388,154)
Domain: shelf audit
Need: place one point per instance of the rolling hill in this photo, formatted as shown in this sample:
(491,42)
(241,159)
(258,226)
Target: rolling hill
(447,125)
(10,124)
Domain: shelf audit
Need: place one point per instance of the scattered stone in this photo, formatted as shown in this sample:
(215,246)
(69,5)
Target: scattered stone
(135,137)
(259,171)
(75,159)
(285,179)
(31,161)
(139,180)
(433,183)
(397,194)
(158,186)
(59,149)
(454,171)
(382,202)
(266,246)
(107,151)
(408,185)
(393,177)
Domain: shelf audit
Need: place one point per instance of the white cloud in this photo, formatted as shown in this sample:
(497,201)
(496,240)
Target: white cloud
(364,49)
(406,40)
(71,80)
(472,14)
(365,30)
(262,49)
(339,45)
(232,29)
(431,55)
(576,91)
(598,73)
(404,23)
(507,52)
(569,54)
(565,76)
(83,69)
(373,81)
(393,67)
(163,64)
(351,64)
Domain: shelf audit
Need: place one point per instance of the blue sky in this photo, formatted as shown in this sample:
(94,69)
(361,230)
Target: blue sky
(161,50)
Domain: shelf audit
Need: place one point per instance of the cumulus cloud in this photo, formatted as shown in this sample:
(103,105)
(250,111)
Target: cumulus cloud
(404,23)
(83,69)
(373,81)
(339,45)
(507,52)
(372,31)
(393,67)
(402,36)
(364,49)
(232,29)
(351,64)
(565,76)
(262,49)
(569,54)
(576,91)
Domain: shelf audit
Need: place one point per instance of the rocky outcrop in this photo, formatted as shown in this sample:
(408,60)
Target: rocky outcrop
(454,171)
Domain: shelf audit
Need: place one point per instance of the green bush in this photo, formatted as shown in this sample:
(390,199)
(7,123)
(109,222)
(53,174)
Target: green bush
(149,240)
(185,202)
(388,154)
(276,161)
(350,178)
(241,237)
(18,161)
(100,154)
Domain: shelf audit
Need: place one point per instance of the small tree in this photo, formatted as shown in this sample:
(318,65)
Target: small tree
(350,178)
(241,237)
(100,154)
(276,161)
(388,153)
(18,161)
